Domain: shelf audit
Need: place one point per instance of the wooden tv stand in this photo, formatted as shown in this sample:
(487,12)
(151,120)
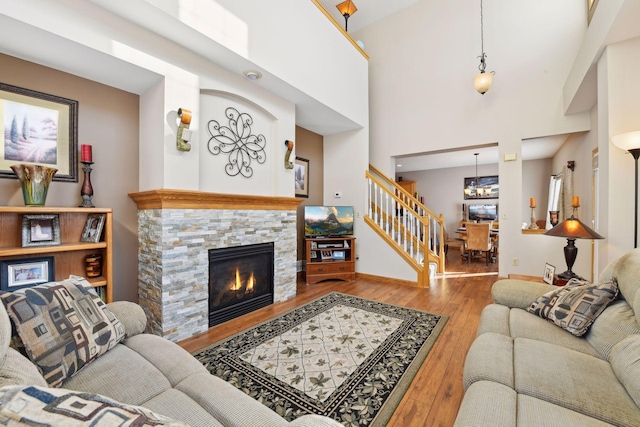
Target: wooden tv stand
(330,258)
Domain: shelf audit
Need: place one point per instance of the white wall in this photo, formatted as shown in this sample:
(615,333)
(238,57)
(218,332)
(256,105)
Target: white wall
(620,112)
(423,60)
(171,48)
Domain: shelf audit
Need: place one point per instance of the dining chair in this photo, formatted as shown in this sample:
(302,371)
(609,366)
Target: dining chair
(478,240)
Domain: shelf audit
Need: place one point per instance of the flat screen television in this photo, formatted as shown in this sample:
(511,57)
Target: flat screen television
(325,221)
(483,212)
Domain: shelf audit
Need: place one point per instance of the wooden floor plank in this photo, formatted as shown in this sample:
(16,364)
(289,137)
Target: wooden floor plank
(435,394)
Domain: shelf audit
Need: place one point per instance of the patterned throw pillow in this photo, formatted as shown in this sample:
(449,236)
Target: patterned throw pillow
(62,325)
(39,406)
(575,306)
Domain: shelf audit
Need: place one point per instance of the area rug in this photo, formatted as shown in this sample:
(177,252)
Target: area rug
(341,356)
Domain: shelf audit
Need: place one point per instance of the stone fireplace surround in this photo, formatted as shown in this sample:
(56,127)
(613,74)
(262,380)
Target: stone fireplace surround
(176,228)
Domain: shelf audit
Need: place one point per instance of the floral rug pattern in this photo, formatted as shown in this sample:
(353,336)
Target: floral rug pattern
(339,356)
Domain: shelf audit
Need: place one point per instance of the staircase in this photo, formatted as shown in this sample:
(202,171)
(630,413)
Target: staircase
(411,229)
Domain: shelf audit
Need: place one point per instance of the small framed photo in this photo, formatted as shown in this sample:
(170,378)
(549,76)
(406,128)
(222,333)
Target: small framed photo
(21,273)
(549,272)
(339,255)
(325,254)
(314,255)
(40,230)
(93,228)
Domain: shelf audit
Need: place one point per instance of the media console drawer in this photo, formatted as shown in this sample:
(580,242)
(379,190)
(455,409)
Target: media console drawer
(330,268)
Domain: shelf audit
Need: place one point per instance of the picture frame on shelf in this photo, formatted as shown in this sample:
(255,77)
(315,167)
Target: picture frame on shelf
(301,174)
(43,121)
(338,255)
(93,228)
(549,273)
(313,255)
(40,230)
(325,254)
(22,273)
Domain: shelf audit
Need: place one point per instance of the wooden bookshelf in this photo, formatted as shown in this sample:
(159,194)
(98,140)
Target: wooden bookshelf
(69,255)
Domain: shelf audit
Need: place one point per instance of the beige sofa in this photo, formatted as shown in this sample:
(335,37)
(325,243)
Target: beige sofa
(144,370)
(523,370)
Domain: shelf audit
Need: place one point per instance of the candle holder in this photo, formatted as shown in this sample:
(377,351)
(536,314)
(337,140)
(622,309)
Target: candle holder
(533,225)
(87,190)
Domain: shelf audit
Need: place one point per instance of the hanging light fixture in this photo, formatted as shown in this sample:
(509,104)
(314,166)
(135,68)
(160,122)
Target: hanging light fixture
(347,8)
(482,81)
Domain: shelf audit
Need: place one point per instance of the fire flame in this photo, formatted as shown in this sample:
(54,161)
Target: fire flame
(237,285)
(250,284)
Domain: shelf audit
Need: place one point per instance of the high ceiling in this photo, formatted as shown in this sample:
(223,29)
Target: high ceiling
(369,11)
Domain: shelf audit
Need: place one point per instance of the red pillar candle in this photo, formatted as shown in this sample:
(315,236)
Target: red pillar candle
(86,154)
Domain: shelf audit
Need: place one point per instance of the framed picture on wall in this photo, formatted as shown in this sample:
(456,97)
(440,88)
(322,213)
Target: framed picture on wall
(39,128)
(301,172)
(482,187)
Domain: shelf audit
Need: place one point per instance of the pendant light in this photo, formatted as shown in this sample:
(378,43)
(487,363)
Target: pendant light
(482,81)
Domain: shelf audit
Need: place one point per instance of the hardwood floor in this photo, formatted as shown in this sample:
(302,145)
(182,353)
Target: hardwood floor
(436,392)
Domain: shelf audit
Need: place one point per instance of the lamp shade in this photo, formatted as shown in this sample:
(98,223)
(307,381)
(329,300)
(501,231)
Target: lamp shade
(482,82)
(572,228)
(627,141)
(347,8)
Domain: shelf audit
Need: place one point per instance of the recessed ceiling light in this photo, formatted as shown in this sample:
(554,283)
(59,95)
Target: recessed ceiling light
(252,74)
(399,166)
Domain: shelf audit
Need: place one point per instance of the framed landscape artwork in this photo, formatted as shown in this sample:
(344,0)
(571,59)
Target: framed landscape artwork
(38,128)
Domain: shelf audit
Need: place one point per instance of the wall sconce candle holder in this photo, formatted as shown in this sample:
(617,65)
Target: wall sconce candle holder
(184,134)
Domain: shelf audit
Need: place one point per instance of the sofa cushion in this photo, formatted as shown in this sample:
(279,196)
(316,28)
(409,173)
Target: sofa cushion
(174,403)
(113,374)
(489,358)
(614,324)
(63,326)
(575,306)
(625,361)
(487,404)
(494,318)
(518,293)
(627,271)
(536,412)
(526,325)
(40,406)
(16,369)
(573,380)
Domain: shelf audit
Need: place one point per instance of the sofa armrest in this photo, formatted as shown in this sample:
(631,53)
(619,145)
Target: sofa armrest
(518,293)
(131,315)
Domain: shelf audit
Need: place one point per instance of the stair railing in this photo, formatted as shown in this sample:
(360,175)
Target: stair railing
(413,230)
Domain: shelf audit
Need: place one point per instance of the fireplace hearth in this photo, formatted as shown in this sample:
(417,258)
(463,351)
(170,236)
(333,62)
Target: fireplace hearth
(240,280)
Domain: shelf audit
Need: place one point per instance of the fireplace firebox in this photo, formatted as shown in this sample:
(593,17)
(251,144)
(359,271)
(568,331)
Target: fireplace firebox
(240,281)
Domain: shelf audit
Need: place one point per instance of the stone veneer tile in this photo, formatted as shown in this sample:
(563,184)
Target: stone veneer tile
(174,262)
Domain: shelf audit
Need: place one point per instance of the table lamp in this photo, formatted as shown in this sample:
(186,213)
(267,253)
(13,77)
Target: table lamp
(572,229)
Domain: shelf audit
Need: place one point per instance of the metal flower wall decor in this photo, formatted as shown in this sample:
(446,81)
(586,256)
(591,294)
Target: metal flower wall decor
(237,140)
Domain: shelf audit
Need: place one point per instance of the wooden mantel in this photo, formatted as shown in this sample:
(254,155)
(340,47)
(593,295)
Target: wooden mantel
(188,199)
